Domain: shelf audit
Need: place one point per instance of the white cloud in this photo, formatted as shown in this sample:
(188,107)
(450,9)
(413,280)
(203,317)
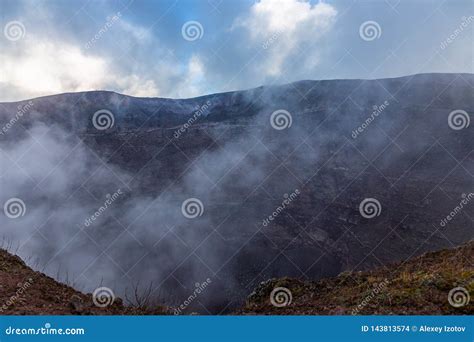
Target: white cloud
(139,33)
(192,80)
(135,86)
(184,80)
(284,28)
(41,67)
(44,64)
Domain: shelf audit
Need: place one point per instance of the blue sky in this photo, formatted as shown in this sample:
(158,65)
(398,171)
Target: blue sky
(137,47)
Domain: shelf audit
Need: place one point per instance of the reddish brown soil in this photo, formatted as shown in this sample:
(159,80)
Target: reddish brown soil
(26,292)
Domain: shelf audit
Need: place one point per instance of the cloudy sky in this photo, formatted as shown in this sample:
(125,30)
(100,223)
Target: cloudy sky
(183,48)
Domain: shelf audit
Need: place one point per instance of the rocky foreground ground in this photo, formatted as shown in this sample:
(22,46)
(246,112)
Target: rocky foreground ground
(26,292)
(419,286)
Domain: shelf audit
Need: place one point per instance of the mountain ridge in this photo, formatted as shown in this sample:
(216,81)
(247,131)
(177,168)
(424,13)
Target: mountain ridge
(239,90)
(77,109)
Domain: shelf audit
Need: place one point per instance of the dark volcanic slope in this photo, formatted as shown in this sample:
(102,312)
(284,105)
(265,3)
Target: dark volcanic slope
(240,167)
